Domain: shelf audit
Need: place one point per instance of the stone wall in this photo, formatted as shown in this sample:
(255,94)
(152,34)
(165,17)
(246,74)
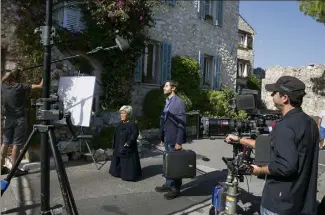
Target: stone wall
(181,27)
(314,78)
(242,52)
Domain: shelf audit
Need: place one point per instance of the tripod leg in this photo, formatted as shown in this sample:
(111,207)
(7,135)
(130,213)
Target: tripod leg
(92,156)
(63,178)
(6,181)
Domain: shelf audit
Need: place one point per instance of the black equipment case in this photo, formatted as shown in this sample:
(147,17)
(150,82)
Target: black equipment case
(179,164)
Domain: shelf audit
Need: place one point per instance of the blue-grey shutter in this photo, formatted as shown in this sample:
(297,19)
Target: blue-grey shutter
(201,11)
(169,62)
(201,66)
(171,2)
(219,12)
(164,62)
(218,67)
(138,70)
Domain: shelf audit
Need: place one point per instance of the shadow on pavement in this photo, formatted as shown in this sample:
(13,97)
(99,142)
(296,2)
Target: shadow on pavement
(151,171)
(114,209)
(203,185)
(21,209)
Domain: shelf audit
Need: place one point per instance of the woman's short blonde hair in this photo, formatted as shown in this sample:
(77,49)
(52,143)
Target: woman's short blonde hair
(127,109)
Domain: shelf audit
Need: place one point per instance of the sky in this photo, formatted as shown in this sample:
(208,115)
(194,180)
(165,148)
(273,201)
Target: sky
(284,35)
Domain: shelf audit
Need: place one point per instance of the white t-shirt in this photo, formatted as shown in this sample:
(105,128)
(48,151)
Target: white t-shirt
(322,116)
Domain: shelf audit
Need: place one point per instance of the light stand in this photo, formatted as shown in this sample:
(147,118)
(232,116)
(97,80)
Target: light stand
(47,41)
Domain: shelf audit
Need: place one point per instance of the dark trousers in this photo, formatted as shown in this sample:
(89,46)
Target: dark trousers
(174,184)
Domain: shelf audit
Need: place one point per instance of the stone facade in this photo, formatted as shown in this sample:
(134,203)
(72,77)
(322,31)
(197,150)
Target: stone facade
(314,78)
(245,53)
(188,35)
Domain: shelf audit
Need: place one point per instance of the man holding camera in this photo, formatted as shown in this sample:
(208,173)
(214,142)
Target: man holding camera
(14,96)
(291,175)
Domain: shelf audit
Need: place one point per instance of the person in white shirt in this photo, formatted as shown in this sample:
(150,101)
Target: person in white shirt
(321,126)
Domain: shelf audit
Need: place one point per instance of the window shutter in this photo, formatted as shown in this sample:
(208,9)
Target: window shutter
(218,68)
(201,9)
(201,66)
(169,62)
(164,62)
(71,19)
(138,70)
(219,12)
(172,2)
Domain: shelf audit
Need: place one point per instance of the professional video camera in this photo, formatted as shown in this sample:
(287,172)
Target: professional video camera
(257,127)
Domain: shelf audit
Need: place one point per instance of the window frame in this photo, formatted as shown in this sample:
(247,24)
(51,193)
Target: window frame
(156,63)
(207,59)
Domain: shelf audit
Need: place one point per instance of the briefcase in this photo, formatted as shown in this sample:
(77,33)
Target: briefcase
(179,164)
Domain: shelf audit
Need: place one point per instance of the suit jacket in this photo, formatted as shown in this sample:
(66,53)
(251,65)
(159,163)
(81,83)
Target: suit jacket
(173,125)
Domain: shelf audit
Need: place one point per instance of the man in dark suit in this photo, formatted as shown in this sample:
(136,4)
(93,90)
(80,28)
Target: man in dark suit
(172,126)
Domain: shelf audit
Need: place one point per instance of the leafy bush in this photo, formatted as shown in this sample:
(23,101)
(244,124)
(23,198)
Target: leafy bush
(254,82)
(186,72)
(153,106)
(187,101)
(105,138)
(220,102)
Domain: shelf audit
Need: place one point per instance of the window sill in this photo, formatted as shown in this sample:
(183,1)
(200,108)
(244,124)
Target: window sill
(152,85)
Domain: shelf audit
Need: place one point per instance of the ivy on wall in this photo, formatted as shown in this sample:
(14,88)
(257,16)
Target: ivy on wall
(104,20)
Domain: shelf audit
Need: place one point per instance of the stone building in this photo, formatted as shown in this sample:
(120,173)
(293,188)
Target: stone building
(245,53)
(314,78)
(202,30)
(205,30)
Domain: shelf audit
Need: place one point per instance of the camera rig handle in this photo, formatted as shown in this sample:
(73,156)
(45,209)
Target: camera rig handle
(73,133)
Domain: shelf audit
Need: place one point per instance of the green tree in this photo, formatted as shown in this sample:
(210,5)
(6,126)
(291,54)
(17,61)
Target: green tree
(315,9)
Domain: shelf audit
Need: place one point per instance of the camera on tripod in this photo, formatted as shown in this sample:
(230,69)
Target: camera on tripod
(55,111)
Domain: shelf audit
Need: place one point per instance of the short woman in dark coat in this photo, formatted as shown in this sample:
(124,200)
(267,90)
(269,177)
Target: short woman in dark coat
(125,162)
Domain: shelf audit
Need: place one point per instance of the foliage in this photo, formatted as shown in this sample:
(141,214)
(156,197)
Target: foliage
(153,105)
(220,101)
(254,82)
(104,20)
(187,101)
(315,9)
(186,72)
(105,138)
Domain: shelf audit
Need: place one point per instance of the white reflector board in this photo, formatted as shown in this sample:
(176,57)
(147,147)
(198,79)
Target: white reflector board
(77,94)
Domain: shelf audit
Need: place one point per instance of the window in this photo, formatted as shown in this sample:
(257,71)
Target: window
(151,64)
(68,16)
(207,70)
(240,69)
(208,10)
(243,69)
(211,11)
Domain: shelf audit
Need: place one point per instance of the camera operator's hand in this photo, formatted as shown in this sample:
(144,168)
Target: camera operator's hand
(258,170)
(232,138)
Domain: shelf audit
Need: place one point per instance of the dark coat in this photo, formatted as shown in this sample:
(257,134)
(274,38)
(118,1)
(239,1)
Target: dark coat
(173,126)
(125,162)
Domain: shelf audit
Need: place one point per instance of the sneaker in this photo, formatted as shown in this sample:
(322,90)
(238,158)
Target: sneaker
(163,188)
(172,194)
(5,170)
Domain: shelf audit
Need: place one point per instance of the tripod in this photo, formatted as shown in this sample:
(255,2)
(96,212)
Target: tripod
(62,175)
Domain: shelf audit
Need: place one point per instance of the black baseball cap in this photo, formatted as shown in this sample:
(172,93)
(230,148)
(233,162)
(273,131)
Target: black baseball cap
(288,85)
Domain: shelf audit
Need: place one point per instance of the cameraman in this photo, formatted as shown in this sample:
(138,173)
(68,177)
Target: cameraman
(14,96)
(290,187)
